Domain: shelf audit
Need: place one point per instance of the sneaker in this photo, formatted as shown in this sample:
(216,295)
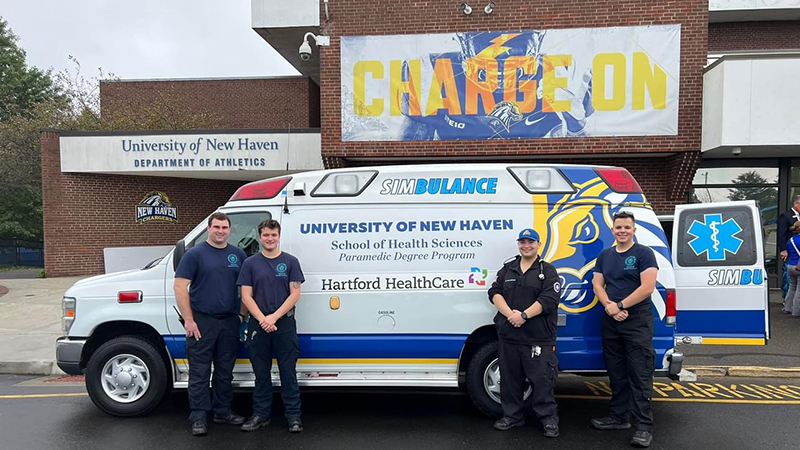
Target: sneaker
(199,428)
(230,419)
(550,430)
(254,423)
(641,438)
(295,425)
(607,423)
(506,424)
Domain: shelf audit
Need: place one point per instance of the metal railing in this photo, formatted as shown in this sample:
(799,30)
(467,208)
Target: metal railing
(21,252)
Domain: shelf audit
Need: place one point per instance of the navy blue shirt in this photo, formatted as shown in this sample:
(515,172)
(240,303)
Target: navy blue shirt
(213,273)
(270,278)
(622,272)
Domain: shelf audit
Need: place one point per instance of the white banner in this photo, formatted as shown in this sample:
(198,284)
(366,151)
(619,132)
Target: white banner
(620,81)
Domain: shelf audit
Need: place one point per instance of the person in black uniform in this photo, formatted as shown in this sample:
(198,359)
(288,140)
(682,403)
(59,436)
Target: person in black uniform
(209,308)
(270,282)
(624,278)
(526,294)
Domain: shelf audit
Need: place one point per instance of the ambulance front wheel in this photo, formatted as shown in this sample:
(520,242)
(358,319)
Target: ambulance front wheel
(127,376)
(483,380)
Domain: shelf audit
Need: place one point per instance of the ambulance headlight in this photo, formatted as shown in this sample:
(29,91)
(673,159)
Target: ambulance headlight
(67,314)
(541,179)
(344,184)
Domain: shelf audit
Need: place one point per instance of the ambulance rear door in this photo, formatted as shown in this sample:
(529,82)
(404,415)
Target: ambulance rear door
(721,284)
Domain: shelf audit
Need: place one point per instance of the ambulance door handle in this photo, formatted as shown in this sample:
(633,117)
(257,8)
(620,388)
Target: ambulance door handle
(562,320)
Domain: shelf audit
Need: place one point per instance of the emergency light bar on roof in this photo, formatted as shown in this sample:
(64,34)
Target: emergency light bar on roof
(259,190)
(344,184)
(619,180)
(541,179)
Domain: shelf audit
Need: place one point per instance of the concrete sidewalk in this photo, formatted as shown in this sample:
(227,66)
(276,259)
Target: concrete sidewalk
(30,323)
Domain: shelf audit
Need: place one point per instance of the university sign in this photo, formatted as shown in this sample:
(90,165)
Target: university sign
(620,81)
(187,152)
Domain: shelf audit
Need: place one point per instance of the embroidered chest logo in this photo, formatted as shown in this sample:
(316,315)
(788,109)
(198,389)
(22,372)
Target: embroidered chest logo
(281,267)
(630,263)
(233,260)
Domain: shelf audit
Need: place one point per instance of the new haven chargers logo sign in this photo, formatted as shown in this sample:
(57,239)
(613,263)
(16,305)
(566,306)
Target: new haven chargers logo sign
(714,237)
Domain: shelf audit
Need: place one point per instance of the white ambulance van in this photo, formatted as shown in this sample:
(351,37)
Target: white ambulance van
(398,261)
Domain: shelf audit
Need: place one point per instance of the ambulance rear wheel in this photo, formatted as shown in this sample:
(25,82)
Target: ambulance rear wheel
(483,381)
(126,377)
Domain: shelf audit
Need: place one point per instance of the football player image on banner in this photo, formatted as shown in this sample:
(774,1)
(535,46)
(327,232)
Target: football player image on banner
(620,81)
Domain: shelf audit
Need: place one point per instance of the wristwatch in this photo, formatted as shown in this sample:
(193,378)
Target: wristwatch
(620,306)
(524,316)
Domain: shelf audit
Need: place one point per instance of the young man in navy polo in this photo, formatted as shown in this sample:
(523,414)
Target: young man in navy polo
(209,308)
(624,278)
(270,282)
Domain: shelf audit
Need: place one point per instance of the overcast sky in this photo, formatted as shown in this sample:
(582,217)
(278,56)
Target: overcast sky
(144,38)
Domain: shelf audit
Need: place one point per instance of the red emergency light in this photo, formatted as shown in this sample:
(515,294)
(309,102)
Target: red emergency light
(619,180)
(672,309)
(130,297)
(261,189)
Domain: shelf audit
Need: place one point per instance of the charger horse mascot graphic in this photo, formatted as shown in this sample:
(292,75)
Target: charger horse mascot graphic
(574,227)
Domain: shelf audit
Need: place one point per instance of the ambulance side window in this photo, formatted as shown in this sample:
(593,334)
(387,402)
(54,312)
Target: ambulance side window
(717,237)
(244,231)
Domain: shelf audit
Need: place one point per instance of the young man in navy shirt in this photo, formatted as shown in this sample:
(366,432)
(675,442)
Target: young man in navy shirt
(209,308)
(624,279)
(270,282)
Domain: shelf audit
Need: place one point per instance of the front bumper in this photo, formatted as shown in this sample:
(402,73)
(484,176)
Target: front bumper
(68,355)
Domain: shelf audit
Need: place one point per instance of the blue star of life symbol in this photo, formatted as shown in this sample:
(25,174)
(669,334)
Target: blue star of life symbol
(715,237)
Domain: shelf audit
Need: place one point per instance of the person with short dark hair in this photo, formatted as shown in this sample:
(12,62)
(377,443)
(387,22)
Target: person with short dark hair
(270,282)
(526,294)
(624,278)
(208,299)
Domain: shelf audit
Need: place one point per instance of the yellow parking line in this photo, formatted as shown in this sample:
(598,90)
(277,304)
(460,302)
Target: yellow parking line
(72,394)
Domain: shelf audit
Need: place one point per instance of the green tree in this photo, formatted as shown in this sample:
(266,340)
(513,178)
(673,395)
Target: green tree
(21,87)
(766,196)
(32,100)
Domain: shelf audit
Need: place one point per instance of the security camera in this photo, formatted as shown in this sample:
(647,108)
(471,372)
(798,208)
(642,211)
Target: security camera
(466,9)
(305,51)
(736,151)
(489,8)
(305,48)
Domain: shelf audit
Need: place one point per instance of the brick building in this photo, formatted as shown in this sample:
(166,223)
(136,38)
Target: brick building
(102,199)
(706,157)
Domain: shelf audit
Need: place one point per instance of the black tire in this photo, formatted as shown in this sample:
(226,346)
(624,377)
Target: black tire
(480,361)
(157,387)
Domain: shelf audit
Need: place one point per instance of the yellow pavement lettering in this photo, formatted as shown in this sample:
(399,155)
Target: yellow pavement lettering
(707,392)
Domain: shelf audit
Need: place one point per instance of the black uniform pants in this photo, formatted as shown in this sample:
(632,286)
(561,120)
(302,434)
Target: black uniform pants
(517,363)
(284,345)
(218,344)
(630,358)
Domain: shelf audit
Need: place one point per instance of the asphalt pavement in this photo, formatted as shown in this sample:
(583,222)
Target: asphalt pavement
(38,415)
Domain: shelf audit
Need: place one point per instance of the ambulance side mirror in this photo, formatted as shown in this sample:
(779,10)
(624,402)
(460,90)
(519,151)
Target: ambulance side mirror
(180,249)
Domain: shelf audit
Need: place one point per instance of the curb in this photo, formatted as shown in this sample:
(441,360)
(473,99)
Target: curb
(30,368)
(745,371)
